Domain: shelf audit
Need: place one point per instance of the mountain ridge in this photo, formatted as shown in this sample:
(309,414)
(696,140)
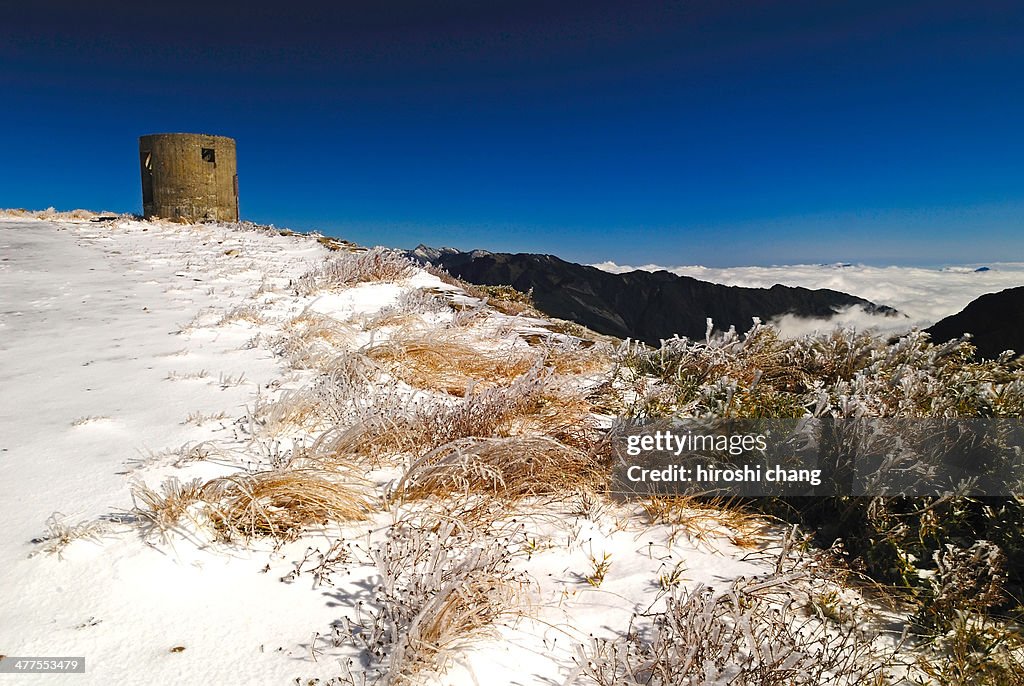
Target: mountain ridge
(994,320)
(649,306)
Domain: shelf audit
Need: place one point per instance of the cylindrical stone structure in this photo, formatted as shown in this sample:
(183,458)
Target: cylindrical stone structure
(189,177)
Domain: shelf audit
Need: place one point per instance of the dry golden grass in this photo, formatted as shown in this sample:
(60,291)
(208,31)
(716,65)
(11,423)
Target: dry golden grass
(51,213)
(392,317)
(574,357)
(243,313)
(457,614)
(313,327)
(279,503)
(295,409)
(443,362)
(345,269)
(504,299)
(703,519)
(166,509)
(563,414)
(533,403)
(509,468)
(334,244)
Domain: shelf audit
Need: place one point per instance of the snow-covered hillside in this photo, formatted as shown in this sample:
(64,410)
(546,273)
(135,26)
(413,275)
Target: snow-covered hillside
(232,455)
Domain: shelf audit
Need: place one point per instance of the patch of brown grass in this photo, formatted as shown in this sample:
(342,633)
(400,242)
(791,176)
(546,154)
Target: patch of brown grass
(335,244)
(504,299)
(533,403)
(51,213)
(510,467)
(243,313)
(565,415)
(704,518)
(392,317)
(444,362)
(295,409)
(576,357)
(313,327)
(280,503)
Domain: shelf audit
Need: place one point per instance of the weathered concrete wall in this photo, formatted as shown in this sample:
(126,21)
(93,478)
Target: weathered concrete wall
(189,177)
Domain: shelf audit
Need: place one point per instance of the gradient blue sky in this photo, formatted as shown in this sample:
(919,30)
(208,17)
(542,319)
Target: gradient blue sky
(705,131)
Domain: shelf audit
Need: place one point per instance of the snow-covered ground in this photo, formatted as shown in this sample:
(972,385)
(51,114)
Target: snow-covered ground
(97,383)
(131,352)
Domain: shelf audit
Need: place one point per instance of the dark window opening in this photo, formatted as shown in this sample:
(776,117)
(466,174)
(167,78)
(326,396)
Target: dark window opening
(209,155)
(147,178)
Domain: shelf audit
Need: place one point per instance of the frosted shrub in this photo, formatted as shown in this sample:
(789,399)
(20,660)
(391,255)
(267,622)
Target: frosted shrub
(838,374)
(348,269)
(749,634)
(388,424)
(964,577)
(439,587)
(848,374)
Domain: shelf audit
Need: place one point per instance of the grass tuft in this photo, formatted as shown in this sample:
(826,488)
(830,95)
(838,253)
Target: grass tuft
(280,503)
(443,362)
(60,534)
(347,269)
(510,467)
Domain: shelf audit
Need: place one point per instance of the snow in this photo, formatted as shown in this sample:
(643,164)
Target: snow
(89,315)
(125,344)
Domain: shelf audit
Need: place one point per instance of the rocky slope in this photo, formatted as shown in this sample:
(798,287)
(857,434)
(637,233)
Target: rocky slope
(995,322)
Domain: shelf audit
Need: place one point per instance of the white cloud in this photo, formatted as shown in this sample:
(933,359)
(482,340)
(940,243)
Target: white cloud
(924,295)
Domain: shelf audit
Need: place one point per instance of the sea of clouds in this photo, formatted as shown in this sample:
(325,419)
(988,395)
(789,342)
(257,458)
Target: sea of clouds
(923,295)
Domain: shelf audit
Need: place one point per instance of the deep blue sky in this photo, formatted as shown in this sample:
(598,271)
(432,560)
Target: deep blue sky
(704,131)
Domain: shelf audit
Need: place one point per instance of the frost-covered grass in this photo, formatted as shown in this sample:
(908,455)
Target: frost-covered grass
(440,587)
(347,269)
(463,412)
(752,633)
(958,560)
(436,466)
(279,503)
(441,361)
(508,467)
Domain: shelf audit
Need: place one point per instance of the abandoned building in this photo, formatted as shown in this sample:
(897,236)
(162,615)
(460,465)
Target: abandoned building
(189,177)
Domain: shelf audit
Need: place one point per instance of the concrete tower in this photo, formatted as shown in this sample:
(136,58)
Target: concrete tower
(189,177)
